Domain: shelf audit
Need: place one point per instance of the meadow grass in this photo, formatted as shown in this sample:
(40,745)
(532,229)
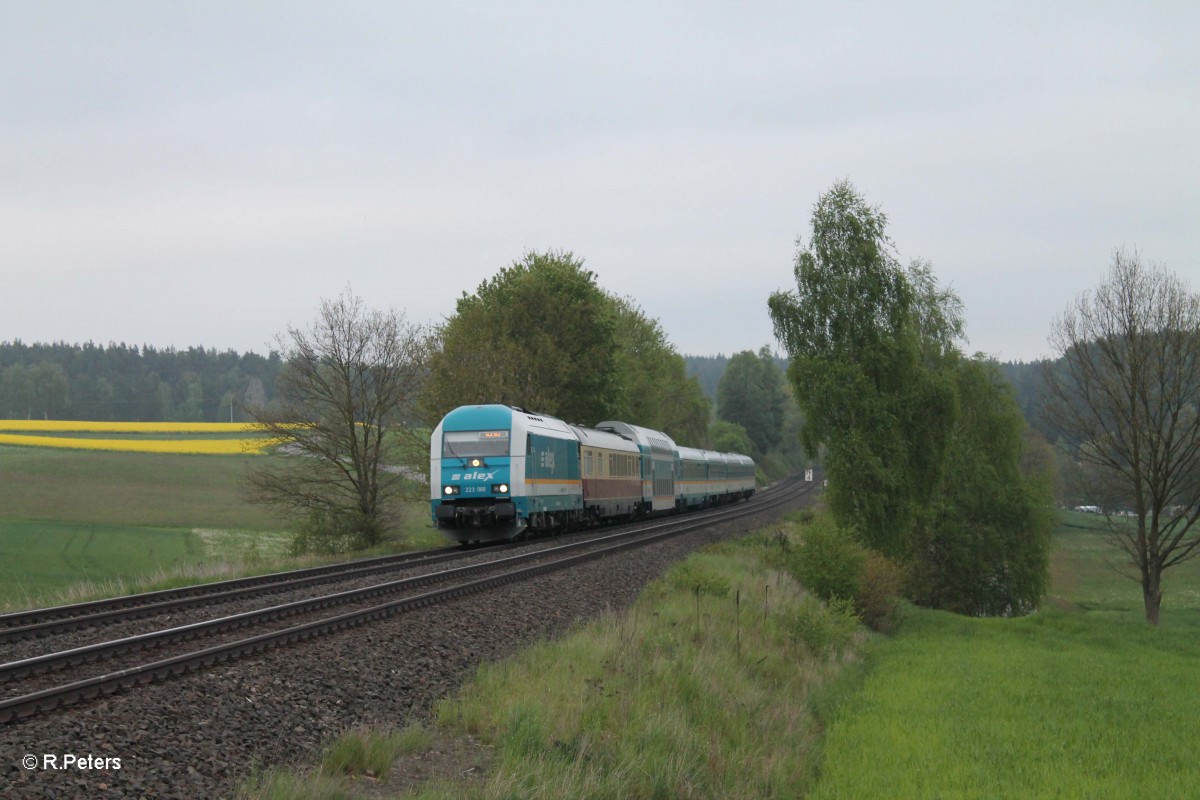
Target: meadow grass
(77,525)
(702,689)
(1082,699)
(38,559)
(130,489)
(51,563)
(372,753)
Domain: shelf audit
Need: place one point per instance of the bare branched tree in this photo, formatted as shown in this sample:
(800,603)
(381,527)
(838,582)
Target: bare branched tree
(345,409)
(1125,400)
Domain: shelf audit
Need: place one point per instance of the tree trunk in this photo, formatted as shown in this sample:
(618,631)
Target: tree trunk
(1152,594)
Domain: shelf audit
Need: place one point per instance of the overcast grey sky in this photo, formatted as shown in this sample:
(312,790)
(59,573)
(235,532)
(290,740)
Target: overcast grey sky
(202,173)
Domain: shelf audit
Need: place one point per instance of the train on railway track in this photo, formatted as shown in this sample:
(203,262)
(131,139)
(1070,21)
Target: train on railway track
(499,472)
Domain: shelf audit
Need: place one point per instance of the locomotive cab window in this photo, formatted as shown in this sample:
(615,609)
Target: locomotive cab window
(469,444)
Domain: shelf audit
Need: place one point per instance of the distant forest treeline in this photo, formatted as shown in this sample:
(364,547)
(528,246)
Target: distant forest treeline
(128,383)
(144,384)
(1026,379)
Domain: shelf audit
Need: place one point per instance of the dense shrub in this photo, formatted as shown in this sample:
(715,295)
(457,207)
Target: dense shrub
(822,628)
(829,563)
(691,577)
(804,516)
(834,567)
(879,589)
(329,533)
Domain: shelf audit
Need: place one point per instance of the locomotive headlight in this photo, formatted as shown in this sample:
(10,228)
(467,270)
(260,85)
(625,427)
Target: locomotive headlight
(475,462)
(449,490)
(499,488)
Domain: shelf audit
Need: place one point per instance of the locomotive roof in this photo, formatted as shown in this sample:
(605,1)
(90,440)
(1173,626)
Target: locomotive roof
(478,417)
(608,439)
(657,441)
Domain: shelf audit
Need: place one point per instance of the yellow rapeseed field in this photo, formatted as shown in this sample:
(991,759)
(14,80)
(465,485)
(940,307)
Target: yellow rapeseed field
(143,442)
(80,426)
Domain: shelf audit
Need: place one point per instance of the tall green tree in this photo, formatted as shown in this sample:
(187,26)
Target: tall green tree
(751,394)
(119,382)
(49,390)
(730,437)
(986,540)
(539,334)
(14,391)
(922,446)
(860,369)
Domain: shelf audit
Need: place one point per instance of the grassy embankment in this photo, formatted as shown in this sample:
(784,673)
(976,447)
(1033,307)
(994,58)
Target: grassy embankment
(79,524)
(685,696)
(716,683)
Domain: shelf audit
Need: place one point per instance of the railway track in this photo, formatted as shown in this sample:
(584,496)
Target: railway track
(20,625)
(36,623)
(51,680)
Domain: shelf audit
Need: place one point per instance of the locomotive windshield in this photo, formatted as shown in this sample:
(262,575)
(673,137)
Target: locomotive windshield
(469,444)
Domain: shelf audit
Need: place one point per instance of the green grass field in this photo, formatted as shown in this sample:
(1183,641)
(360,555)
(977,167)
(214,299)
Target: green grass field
(76,524)
(129,489)
(1083,699)
(40,558)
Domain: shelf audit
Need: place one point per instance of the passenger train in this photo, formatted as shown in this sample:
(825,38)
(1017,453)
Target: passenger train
(499,472)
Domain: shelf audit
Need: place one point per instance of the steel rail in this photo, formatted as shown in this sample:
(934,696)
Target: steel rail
(122,614)
(21,707)
(15,621)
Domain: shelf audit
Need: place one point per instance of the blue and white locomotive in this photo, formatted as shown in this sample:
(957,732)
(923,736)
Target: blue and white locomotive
(497,472)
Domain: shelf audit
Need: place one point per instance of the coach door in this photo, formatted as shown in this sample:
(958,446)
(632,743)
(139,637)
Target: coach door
(663,467)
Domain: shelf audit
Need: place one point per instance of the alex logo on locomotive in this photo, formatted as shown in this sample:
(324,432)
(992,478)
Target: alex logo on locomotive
(473,476)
